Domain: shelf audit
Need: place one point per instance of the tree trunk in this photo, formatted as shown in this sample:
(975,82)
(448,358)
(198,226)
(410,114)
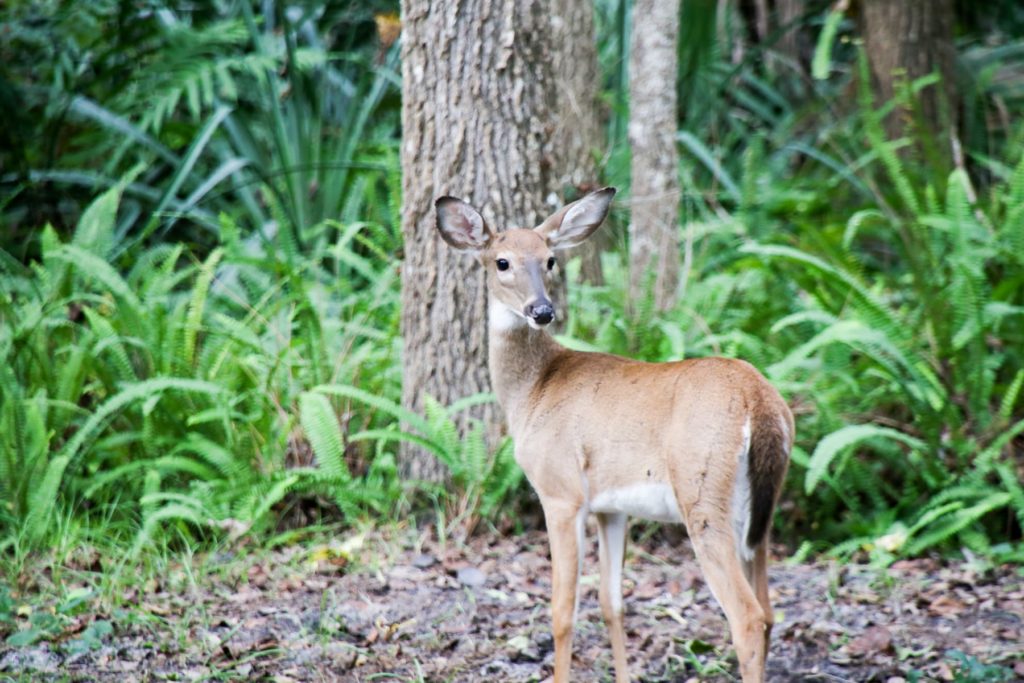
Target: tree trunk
(790,45)
(578,136)
(907,40)
(477,98)
(654,231)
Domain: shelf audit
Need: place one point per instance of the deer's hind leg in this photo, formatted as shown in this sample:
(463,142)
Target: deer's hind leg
(708,511)
(757,574)
(723,570)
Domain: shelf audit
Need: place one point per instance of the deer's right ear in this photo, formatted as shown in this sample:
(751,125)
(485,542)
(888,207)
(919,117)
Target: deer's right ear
(461,225)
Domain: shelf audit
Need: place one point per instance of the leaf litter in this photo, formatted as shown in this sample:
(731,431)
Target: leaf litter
(399,607)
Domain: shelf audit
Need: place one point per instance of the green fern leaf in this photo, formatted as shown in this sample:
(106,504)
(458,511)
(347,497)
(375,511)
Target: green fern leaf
(43,500)
(841,441)
(93,267)
(949,525)
(1009,400)
(131,394)
(320,423)
(379,402)
(194,318)
(108,340)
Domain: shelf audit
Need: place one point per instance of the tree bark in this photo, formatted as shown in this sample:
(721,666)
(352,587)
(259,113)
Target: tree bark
(654,231)
(578,136)
(907,40)
(790,42)
(477,102)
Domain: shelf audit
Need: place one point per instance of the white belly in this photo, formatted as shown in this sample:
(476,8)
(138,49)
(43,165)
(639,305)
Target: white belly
(648,501)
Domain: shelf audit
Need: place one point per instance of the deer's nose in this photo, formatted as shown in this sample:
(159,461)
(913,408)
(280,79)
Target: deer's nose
(541,312)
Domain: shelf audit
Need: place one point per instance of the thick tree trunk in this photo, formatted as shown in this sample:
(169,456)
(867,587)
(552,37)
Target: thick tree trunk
(477,97)
(654,231)
(907,40)
(577,136)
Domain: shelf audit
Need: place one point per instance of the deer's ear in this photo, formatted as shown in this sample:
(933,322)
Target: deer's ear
(575,222)
(461,225)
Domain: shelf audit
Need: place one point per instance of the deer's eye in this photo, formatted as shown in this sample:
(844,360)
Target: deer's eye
(502,264)
(551,263)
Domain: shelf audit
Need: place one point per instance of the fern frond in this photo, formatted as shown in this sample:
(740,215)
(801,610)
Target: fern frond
(381,403)
(108,340)
(131,394)
(95,231)
(320,424)
(841,441)
(194,317)
(948,525)
(42,500)
(95,268)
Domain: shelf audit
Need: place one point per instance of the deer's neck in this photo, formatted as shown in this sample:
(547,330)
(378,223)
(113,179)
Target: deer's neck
(518,357)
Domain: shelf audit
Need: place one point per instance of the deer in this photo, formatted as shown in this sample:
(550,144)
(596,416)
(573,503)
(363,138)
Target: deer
(704,442)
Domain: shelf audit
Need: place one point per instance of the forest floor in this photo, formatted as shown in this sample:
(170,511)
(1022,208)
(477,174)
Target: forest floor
(375,606)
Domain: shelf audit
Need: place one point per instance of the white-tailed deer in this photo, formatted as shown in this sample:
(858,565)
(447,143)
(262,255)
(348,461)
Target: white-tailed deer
(704,442)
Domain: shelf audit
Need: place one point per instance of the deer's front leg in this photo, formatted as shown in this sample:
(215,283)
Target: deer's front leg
(612,545)
(565,531)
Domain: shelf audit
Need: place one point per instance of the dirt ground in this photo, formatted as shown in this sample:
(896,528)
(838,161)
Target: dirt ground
(416,610)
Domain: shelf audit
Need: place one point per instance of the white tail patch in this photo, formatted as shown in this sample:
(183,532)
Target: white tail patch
(741,497)
(784,426)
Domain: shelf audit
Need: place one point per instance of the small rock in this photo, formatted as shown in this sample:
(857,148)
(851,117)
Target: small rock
(471,576)
(423,560)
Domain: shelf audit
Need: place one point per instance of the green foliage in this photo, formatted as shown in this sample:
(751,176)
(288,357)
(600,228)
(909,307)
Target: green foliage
(204,337)
(479,482)
(927,348)
(171,394)
(282,119)
(876,284)
(968,669)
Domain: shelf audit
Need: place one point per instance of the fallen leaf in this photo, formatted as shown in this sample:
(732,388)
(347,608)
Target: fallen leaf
(876,640)
(946,606)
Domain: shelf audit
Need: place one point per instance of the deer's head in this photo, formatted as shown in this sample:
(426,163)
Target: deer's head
(520,262)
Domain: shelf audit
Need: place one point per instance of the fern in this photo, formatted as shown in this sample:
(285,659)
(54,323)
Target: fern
(381,403)
(130,394)
(954,520)
(95,268)
(107,340)
(194,318)
(42,500)
(321,426)
(839,442)
(875,311)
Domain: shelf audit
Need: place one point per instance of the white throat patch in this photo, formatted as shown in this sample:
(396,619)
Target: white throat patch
(502,318)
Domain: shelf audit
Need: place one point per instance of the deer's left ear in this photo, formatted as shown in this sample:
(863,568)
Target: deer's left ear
(575,222)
